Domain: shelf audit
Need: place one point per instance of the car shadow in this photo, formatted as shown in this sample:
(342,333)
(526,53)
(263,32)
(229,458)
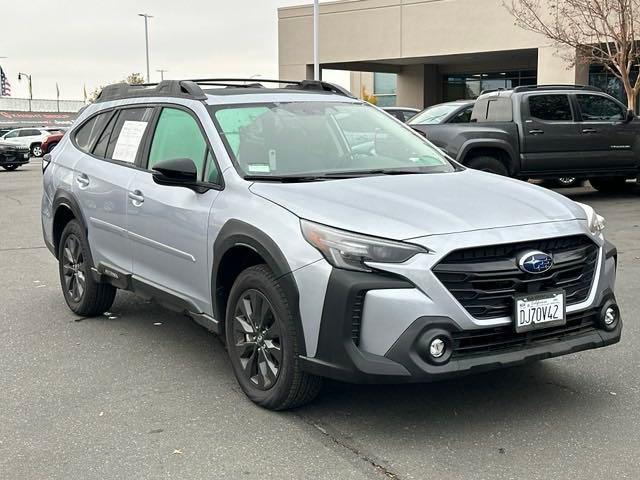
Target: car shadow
(511,395)
(630,190)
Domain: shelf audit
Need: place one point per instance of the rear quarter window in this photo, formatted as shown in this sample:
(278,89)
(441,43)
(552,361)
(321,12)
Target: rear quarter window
(86,135)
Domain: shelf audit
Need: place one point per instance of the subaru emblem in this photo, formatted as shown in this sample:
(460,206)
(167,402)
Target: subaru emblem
(535,262)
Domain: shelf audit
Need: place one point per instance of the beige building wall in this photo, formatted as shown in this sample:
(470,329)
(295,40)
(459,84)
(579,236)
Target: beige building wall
(417,39)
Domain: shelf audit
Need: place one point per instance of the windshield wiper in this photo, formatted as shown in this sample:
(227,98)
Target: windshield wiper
(294,178)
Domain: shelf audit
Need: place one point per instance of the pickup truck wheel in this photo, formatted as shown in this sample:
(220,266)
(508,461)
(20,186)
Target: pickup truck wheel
(608,184)
(488,164)
(262,343)
(10,167)
(83,294)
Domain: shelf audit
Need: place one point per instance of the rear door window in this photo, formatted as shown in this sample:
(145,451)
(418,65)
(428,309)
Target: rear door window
(127,134)
(100,150)
(86,135)
(550,108)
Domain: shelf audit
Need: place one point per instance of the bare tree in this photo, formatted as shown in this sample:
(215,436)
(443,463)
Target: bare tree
(591,31)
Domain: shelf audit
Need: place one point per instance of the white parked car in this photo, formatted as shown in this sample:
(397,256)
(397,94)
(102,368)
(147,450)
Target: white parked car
(29,137)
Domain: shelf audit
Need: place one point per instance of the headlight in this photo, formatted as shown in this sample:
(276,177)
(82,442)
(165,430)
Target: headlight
(350,250)
(595,222)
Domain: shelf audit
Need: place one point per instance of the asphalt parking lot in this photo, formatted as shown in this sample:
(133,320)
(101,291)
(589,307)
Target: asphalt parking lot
(144,393)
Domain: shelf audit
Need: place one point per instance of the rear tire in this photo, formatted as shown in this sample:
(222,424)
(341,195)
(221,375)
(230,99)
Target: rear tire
(608,184)
(10,168)
(83,294)
(36,150)
(51,147)
(262,342)
(488,164)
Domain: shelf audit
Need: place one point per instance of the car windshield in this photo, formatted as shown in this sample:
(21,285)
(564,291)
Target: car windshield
(434,115)
(321,139)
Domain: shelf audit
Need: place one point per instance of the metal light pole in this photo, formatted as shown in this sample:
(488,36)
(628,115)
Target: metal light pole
(146,40)
(20,75)
(162,71)
(316,61)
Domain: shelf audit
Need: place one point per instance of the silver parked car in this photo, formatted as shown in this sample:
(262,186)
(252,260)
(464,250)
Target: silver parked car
(260,213)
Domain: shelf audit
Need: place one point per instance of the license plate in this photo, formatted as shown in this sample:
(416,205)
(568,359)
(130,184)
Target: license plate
(540,310)
(26,156)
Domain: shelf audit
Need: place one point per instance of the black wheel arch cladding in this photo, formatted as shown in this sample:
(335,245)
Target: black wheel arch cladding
(65,199)
(236,233)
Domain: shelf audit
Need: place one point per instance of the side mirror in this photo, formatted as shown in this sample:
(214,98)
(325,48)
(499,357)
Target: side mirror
(419,130)
(179,172)
(46,160)
(630,116)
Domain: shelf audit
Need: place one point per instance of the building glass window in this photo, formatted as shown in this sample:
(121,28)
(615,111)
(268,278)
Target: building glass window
(465,86)
(605,80)
(384,89)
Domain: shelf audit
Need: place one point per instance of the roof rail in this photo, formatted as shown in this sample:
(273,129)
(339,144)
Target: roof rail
(192,88)
(168,88)
(492,90)
(531,88)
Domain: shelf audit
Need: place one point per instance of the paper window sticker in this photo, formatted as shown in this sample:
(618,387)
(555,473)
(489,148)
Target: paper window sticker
(129,141)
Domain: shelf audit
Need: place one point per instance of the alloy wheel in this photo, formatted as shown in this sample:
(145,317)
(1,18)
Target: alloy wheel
(257,339)
(37,151)
(73,267)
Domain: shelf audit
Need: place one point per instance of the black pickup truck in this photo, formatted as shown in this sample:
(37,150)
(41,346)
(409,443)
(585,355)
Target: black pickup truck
(546,131)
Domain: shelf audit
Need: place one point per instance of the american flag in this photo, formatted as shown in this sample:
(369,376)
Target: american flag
(5,86)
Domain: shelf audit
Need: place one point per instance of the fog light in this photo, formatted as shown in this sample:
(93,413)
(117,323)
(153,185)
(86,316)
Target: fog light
(610,316)
(437,348)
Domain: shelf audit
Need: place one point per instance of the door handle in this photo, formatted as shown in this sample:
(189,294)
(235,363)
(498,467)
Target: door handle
(136,197)
(83,180)
(536,132)
(589,130)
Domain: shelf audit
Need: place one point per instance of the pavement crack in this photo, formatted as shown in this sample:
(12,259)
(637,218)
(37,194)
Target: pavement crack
(351,448)
(17,200)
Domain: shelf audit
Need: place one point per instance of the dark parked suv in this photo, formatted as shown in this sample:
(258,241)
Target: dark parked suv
(547,131)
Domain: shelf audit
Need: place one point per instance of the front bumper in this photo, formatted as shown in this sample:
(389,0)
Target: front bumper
(14,157)
(375,326)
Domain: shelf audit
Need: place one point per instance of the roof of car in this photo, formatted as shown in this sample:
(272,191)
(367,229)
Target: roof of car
(201,89)
(501,92)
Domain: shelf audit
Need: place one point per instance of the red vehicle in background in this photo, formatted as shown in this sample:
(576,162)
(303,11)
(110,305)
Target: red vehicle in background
(50,142)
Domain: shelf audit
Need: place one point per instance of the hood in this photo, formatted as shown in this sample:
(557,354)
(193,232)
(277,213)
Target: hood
(411,206)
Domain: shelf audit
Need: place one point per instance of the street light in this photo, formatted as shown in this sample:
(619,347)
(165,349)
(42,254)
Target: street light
(162,71)
(20,75)
(146,39)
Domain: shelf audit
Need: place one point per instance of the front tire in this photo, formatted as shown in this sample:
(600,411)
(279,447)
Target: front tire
(608,184)
(262,343)
(83,294)
(488,164)
(10,168)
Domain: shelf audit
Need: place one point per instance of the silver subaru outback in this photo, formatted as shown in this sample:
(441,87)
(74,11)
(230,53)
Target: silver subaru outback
(319,237)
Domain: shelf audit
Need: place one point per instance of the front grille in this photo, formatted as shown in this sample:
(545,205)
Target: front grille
(485,279)
(491,340)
